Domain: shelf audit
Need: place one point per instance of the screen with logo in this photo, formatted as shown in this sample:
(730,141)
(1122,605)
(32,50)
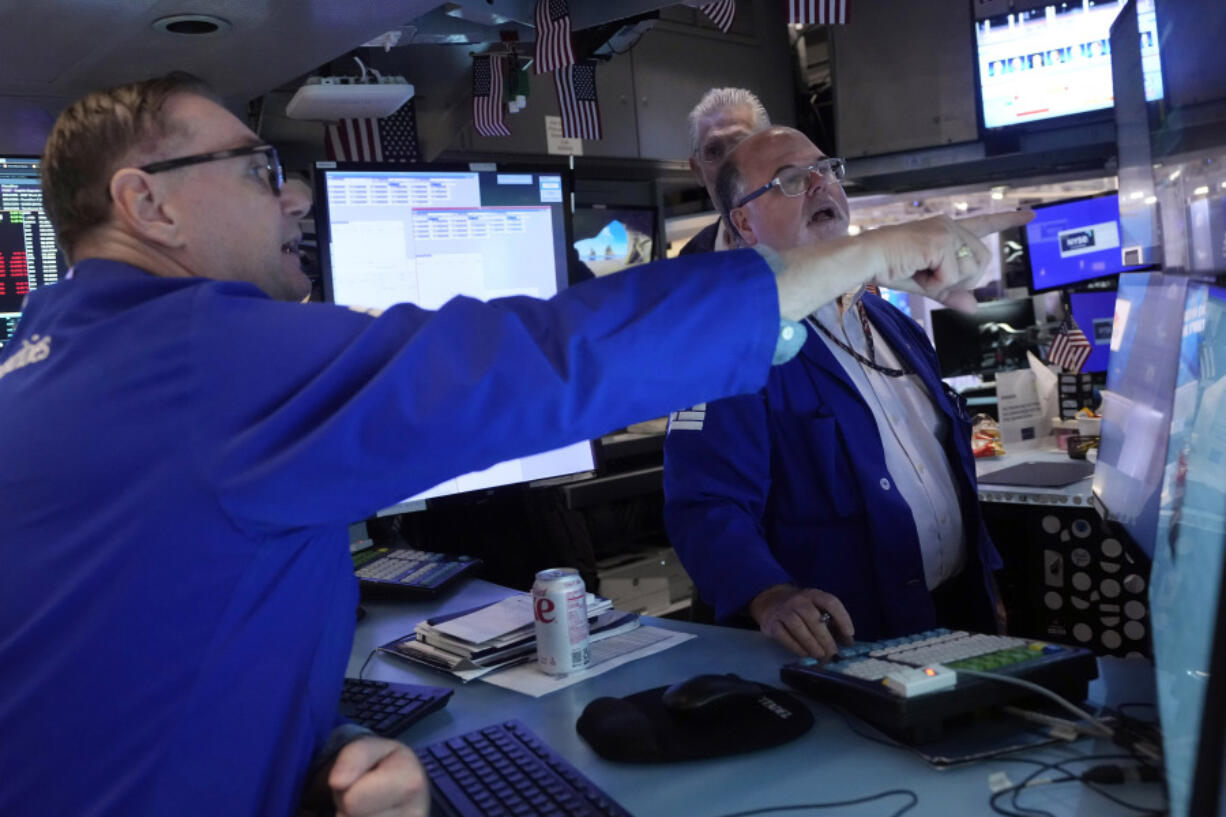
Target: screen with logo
(1071,242)
(611,239)
(1055,60)
(1094,313)
(423,236)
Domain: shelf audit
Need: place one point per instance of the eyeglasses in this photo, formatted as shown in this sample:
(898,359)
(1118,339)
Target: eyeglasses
(275,175)
(798,181)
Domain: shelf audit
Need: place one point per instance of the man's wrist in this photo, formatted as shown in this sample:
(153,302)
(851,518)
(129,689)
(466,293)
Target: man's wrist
(768,598)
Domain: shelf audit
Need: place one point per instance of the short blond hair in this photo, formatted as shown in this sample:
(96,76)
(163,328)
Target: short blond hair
(93,137)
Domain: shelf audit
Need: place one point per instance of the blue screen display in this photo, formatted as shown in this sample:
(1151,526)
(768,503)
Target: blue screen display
(1094,313)
(1074,241)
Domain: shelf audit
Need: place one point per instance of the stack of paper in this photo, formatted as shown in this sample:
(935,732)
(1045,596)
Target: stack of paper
(471,643)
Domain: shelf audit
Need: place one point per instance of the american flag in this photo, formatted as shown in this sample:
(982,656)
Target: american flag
(576,85)
(721,13)
(819,12)
(390,139)
(553,47)
(1069,348)
(487,96)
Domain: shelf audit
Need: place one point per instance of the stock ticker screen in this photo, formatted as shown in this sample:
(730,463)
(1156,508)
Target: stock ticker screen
(28,255)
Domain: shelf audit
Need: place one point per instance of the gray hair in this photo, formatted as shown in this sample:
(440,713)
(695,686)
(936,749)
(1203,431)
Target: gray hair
(720,98)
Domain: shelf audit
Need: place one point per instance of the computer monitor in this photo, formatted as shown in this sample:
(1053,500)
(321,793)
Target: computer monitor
(1054,60)
(1094,313)
(612,238)
(1186,581)
(427,234)
(1074,241)
(992,339)
(28,255)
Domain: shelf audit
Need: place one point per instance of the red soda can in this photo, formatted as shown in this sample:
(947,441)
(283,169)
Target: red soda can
(559,608)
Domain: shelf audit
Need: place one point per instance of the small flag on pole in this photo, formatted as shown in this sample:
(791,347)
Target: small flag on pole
(818,12)
(390,139)
(576,86)
(553,45)
(1069,348)
(487,96)
(721,12)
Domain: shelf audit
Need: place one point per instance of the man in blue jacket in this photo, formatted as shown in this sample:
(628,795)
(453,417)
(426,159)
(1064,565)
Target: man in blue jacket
(185,444)
(840,499)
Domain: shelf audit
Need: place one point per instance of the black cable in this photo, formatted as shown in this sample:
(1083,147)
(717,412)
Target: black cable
(881,795)
(364,663)
(1022,811)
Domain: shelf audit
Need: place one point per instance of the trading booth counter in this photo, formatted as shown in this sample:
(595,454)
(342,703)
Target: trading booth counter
(829,763)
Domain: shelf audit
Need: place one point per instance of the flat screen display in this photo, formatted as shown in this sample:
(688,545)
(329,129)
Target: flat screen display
(992,339)
(28,254)
(1071,242)
(611,239)
(1094,313)
(1055,60)
(426,235)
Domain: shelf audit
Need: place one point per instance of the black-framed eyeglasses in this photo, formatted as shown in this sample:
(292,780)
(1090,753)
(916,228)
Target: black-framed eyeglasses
(275,173)
(798,181)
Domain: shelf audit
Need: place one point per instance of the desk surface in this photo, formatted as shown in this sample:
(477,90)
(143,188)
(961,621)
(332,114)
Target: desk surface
(829,763)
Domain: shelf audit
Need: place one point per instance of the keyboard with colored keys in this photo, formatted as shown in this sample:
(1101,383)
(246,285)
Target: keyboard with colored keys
(408,573)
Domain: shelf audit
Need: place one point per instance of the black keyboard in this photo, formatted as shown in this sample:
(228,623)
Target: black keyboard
(506,770)
(407,573)
(387,708)
(884,682)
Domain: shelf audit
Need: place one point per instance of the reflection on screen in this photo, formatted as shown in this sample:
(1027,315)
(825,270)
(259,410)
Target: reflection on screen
(1191,536)
(1145,354)
(424,237)
(1055,60)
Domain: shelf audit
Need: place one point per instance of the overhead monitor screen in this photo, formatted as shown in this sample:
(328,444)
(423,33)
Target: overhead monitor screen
(28,256)
(1055,60)
(427,235)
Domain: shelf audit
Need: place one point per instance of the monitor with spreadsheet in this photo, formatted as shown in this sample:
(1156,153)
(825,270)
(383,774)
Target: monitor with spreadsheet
(28,255)
(424,234)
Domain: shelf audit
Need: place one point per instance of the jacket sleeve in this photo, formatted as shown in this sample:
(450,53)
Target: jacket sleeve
(312,414)
(717,477)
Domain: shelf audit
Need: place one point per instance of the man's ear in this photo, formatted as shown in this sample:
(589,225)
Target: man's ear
(741,222)
(140,208)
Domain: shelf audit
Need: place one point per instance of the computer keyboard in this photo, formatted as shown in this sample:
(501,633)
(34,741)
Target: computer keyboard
(910,687)
(505,769)
(405,572)
(388,708)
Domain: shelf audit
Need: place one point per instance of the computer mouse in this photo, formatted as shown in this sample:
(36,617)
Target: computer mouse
(703,694)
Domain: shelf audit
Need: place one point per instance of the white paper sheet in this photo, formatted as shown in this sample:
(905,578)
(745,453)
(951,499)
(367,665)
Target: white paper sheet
(606,655)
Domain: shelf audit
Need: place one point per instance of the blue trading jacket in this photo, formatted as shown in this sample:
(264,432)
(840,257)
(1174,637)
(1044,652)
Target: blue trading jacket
(790,485)
(179,461)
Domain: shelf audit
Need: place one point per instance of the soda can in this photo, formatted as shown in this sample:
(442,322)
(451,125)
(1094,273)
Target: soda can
(559,609)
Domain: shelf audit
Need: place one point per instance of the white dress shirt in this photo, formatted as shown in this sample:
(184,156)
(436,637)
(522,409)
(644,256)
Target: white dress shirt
(911,429)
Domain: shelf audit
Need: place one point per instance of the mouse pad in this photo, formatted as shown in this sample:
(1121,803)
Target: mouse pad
(1039,474)
(639,729)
